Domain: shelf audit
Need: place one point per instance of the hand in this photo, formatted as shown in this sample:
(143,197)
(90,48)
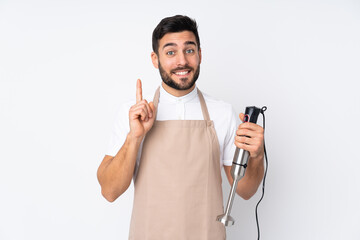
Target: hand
(141,115)
(250,137)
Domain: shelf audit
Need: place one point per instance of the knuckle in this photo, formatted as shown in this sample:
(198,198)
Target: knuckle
(243,133)
(146,105)
(260,132)
(132,111)
(142,106)
(144,110)
(238,144)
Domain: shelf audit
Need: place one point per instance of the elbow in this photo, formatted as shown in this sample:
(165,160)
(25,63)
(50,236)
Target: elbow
(245,195)
(112,193)
(109,196)
(108,191)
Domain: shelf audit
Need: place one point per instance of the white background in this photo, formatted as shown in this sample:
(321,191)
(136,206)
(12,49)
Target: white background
(65,67)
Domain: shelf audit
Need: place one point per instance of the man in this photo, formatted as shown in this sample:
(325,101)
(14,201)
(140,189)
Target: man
(175,146)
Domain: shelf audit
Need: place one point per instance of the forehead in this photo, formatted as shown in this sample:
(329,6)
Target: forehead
(178,38)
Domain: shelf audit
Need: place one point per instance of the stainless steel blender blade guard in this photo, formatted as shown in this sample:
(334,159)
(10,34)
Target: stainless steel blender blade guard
(227,220)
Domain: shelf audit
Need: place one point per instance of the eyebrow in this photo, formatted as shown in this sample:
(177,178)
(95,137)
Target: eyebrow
(169,44)
(174,44)
(190,43)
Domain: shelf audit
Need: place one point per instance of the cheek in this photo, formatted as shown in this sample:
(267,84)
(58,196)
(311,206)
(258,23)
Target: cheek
(194,61)
(168,65)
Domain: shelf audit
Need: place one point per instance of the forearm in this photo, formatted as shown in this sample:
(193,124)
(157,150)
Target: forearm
(115,174)
(254,174)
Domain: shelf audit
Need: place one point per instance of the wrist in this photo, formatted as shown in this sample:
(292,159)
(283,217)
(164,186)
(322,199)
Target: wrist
(134,139)
(257,161)
(259,157)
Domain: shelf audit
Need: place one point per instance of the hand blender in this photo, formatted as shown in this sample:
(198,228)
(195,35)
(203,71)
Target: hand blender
(238,168)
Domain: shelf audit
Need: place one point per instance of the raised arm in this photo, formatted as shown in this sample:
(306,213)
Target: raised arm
(115,173)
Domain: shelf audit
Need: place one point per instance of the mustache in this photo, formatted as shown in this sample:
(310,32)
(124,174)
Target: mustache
(186,67)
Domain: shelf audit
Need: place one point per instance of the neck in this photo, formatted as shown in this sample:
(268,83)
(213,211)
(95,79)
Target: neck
(175,92)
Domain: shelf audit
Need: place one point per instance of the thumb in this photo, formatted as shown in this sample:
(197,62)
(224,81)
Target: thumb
(241,116)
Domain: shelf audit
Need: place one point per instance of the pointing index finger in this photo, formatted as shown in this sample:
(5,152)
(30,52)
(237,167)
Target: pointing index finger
(138,91)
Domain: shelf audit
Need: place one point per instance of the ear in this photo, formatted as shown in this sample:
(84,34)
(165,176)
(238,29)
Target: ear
(199,55)
(155,60)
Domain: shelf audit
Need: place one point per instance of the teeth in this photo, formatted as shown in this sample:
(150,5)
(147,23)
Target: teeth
(181,73)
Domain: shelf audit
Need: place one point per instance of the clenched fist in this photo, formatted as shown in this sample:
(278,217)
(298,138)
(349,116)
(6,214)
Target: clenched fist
(250,137)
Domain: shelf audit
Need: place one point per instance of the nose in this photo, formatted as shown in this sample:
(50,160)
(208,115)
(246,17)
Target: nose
(181,59)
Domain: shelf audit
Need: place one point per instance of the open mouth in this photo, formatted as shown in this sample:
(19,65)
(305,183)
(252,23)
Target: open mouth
(181,73)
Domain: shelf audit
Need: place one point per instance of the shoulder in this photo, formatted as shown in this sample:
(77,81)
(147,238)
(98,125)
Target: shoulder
(220,106)
(221,112)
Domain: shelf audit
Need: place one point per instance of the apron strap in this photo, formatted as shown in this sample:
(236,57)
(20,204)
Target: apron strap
(156,97)
(204,109)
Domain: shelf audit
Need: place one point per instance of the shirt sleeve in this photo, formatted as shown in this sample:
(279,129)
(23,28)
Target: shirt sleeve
(119,131)
(229,145)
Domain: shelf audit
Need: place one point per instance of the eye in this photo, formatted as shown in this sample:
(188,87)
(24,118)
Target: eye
(170,53)
(190,51)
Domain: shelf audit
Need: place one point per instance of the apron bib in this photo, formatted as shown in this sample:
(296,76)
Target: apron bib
(178,192)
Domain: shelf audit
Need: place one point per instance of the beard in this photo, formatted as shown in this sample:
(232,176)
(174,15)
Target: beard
(185,83)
